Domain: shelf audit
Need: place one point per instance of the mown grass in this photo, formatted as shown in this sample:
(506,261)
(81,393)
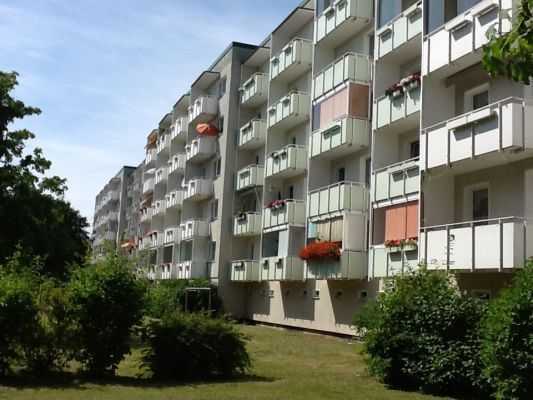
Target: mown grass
(286,365)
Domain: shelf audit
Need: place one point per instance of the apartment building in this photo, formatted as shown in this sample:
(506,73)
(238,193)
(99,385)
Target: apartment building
(359,140)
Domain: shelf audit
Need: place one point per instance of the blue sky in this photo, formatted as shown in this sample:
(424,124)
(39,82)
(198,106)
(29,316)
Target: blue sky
(105,72)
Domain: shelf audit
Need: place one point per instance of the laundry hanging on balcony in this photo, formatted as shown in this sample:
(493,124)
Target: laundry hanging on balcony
(207,130)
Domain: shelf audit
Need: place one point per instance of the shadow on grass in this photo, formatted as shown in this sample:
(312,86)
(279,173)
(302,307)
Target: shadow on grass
(69,380)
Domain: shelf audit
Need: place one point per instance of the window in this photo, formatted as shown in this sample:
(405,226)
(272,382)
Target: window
(222,87)
(368,170)
(257,159)
(341,174)
(294,140)
(321,5)
(388,9)
(434,15)
(217,167)
(463,5)
(480,100)
(214,209)
(476,98)
(291,192)
(480,204)
(212,250)
(414,150)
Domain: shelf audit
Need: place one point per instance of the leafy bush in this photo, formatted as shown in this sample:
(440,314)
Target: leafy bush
(507,335)
(193,346)
(167,297)
(423,334)
(105,302)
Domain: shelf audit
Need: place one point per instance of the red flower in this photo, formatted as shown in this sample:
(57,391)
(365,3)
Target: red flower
(321,250)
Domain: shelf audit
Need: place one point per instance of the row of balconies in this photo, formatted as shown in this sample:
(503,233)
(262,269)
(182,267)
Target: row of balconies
(178,130)
(110,196)
(179,270)
(200,149)
(106,218)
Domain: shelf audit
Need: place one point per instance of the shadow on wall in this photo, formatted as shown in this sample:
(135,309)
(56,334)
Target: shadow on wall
(298,300)
(348,297)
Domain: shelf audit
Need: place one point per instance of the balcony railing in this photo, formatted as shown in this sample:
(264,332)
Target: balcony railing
(293,61)
(159,208)
(285,213)
(350,67)
(500,126)
(341,137)
(247,224)
(161,175)
(382,263)
(245,271)
(199,189)
(290,111)
(172,235)
(163,143)
(290,161)
(337,198)
(179,129)
(177,164)
(400,30)
(194,228)
(455,43)
(148,186)
(350,266)
(191,270)
(396,183)
(252,135)
(282,269)
(250,176)
(201,149)
(390,111)
(166,271)
(146,214)
(204,109)
(494,244)
(151,156)
(174,199)
(254,91)
(341,20)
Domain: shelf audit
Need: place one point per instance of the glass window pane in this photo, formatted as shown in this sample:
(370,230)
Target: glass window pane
(480,100)
(434,14)
(388,9)
(481,204)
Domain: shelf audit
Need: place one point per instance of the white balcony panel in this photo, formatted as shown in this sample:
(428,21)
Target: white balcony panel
(400,113)
(337,198)
(341,137)
(282,269)
(191,270)
(290,111)
(288,162)
(201,149)
(396,183)
(194,229)
(159,208)
(291,213)
(497,127)
(400,30)
(174,199)
(250,177)
(199,189)
(204,109)
(151,156)
(163,144)
(454,45)
(254,91)
(495,244)
(148,186)
(179,129)
(161,175)
(146,215)
(252,135)
(382,263)
(342,20)
(177,164)
(247,224)
(245,271)
(350,67)
(172,235)
(293,61)
(351,265)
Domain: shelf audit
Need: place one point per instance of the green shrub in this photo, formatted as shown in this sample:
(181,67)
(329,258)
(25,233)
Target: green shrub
(105,302)
(507,337)
(423,334)
(192,347)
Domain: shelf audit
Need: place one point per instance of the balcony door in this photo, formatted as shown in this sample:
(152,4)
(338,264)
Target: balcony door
(480,204)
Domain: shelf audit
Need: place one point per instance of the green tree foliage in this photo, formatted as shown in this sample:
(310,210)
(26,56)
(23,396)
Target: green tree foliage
(32,210)
(423,334)
(511,55)
(507,334)
(105,302)
(192,347)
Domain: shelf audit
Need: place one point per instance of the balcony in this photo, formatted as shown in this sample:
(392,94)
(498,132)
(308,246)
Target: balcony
(493,245)
(334,200)
(250,177)
(166,271)
(204,109)
(109,236)
(290,111)
(161,175)
(454,46)
(288,162)
(172,235)
(252,135)
(398,113)
(282,214)
(179,130)
(148,186)
(247,224)
(499,127)
(282,269)
(146,215)
(245,271)
(174,199)
(151,156)
(177,164)
(384,263)
(294,60)
(342,20)
(198,190)
(191,270)
(201,149)
(399,33)
(254,91)
(163,144)
(396,183)
(350,67)
(159,208)
(341,137)
(194,229)
(350,266)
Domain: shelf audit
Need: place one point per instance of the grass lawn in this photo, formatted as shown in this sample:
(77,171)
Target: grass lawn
(286,365)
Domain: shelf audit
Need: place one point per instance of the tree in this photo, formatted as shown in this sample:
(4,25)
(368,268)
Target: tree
(32,210)
(511,55)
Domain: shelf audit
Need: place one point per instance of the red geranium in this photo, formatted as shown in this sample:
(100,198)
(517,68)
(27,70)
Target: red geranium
(321,250)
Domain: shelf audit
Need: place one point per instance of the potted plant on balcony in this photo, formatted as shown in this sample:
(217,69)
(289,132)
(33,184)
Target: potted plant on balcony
(321,251)
(411,82)
(395,91)
(276,204)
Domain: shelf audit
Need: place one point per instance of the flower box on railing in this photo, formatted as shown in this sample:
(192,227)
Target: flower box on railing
(318,250)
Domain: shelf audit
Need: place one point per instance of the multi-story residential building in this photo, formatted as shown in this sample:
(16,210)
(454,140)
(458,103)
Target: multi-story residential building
(359,140)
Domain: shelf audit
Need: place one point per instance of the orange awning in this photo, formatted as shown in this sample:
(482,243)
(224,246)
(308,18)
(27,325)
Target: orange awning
(207,129)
